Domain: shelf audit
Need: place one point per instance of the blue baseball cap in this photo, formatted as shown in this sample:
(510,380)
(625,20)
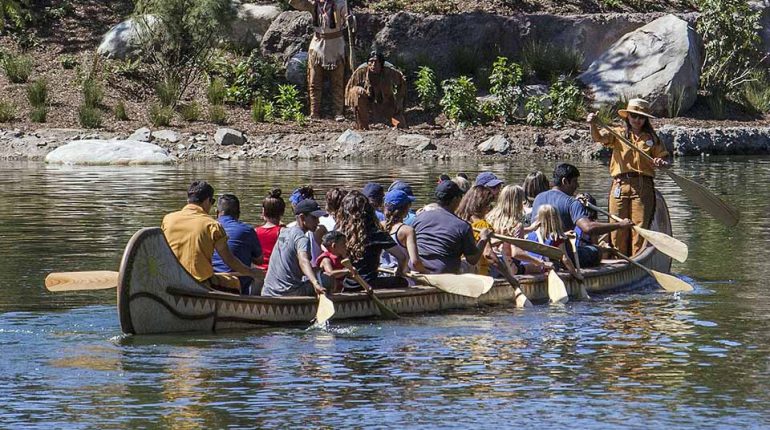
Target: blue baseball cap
(397,199)
(488,179)
(403,186)
(448,190)
(373,190)
(296,197)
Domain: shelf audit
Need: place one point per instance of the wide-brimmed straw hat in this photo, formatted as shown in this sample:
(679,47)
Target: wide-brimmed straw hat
(637,106)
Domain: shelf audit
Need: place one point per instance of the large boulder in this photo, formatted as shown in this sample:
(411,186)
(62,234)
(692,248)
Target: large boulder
(659,62)
(98,151)
(251,24)
(123,41)
(287,35)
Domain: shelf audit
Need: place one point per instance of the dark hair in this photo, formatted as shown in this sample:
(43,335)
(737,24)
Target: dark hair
(378,55)
(394,216)
(462,175)
(199,192)
(228,204)
(304,192)
(357,222)
(477,201)
(647,128)
(332,237)
(592,215)
(334,201)
(444,177)
(564,171)
(534,184)
(273,205)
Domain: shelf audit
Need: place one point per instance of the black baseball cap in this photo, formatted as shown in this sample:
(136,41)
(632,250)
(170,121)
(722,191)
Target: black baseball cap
(448,190)
(309,207)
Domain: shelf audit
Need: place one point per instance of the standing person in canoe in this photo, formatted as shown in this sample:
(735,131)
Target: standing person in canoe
(632,194)
(291,272)
(376,91)
(241,239)
(442,237)
(326,54)
(193,235)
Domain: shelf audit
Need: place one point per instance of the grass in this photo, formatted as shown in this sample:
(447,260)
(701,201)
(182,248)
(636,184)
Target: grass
(190,112)
(90,116)
(168,92)
(160,116)
(93,93)
(757,95)
(217,114)
(120,111)
(68,62)
(608,113)
(547,61)
(716,104)
(38,114)
(37,94)
(675,102)
(18,68)
(7,111)
(216,92)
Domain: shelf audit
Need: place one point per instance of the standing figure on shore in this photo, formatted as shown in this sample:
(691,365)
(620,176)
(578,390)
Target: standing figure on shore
(376,91)
(632,194)
(326,54)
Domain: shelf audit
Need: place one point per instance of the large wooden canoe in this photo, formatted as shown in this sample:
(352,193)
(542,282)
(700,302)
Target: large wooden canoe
(157,295)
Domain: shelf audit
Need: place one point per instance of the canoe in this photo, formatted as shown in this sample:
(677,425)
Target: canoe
(157,295)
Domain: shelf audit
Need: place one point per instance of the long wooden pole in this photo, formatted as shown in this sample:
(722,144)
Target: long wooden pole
(385,311)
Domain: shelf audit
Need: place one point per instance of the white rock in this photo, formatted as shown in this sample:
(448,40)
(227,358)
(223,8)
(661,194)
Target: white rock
(121,152)
(495,144)
(350,137)
(167,135)
(229,136)
(412,140)
(142,135)
(124,40)
(659,62)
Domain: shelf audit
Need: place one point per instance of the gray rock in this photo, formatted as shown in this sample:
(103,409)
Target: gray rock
(350,138)
(223,156)
(715,141)
(123,41)
(425,146)
(99,151)
(142,135)
(251,23)
(496,144)
(412,140)
(288,34)
(296,69)
(304,153)
(229,136)
(167,135)
(659,62)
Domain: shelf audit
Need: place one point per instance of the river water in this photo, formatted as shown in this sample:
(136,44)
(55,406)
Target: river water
(643,359)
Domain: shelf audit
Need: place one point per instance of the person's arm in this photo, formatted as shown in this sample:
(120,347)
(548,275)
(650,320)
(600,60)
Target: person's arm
(410,238)
(233,262)
(474,257)
(601,136)
(400,94)
(326,266)
(400,257)
(599,228)
(568,264)
(307,270)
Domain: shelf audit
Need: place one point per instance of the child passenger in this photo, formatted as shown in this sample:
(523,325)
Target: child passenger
(549,231)
(330,261)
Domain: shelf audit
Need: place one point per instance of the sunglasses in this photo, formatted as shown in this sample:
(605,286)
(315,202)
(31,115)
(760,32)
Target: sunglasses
(636,115)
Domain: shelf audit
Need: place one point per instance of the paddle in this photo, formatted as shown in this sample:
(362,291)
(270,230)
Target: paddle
(518,296)
(696,192)
(325,310)
(668,282)
(666,244)
(531,246)
(466,284)
(557,291)
(573,242)
(385,311)
(81,281)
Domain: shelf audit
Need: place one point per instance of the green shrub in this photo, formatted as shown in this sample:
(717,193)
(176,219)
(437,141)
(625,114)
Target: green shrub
(217,114)
(427,88)
(466,60)
(12,11)
(675,102)
(262,110)
(120,111)
(38,114)
(547,61)
(216,92)
(716,104)
(505,83)
(608,113)
(731,42)
(757,94)
(160,116)
(93,93)
(7,111)
(459,101)
(37,94)
(536,113)
(190,112)
(567,102)
(255,76)
(17,67)
(287,103)
(68,61)
(90,116)
(168,92)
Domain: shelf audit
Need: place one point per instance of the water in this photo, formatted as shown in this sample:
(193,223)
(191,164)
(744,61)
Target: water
(635,360)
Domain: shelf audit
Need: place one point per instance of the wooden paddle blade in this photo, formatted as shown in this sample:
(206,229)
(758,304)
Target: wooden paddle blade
(536,247)
(707,200)
(467,284)
(666,244)
(81,281)
(671,283)
(520,299)
(325,310)
(557,291)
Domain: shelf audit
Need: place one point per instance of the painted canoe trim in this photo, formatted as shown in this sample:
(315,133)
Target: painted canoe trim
(157,295)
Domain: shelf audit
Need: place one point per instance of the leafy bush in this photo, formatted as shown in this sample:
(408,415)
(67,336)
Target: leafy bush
(261,110)
(255,76)
(427,88)
(608,113)
(287,103)
(190,112)
(160,116)
(716,104)
(13,11)
(68,62)
(567,102)
(731,41)
(536,113)
(90,116)
(93,93)
(120,111)
(547,61)
(167,92)
(217,114)
(505,80)
(7,111)
(17,67)
(216,92)
(459,101)
(37,94)
(38,114)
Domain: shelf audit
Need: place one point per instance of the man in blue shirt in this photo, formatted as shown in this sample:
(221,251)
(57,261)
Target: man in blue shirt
(572,213)
(241,239)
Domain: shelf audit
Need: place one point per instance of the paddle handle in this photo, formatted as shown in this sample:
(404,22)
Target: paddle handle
(626,142)
(627,258)
(601,211)
(354,273)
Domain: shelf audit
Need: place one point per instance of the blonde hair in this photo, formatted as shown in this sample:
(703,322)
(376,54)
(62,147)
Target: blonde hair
(549,223)
(509,210)
(463,183)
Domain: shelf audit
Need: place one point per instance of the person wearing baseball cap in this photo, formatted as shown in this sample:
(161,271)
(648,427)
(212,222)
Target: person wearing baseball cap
(491,181)
(290,270)
(405,187)
(375,193)
(397,204)
(443,238)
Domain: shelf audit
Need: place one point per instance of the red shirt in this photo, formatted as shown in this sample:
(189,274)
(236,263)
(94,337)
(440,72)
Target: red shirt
(267,237)
(336,265)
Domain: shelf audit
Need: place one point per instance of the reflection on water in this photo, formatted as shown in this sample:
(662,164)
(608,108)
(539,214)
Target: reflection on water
(644,359)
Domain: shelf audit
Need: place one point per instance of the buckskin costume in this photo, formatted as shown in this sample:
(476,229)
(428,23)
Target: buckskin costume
(326,55)
(377,91)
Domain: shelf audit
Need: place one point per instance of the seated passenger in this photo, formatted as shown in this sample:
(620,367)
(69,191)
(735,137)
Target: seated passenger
(273,208)
(297,196)
(241,239)
(375,193)
(330,261)
(442,237)
(474,207)
(291,272)
(548,231)
(403,186)
(397,204)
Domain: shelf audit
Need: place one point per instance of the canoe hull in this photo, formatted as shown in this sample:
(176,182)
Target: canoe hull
(157,295)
